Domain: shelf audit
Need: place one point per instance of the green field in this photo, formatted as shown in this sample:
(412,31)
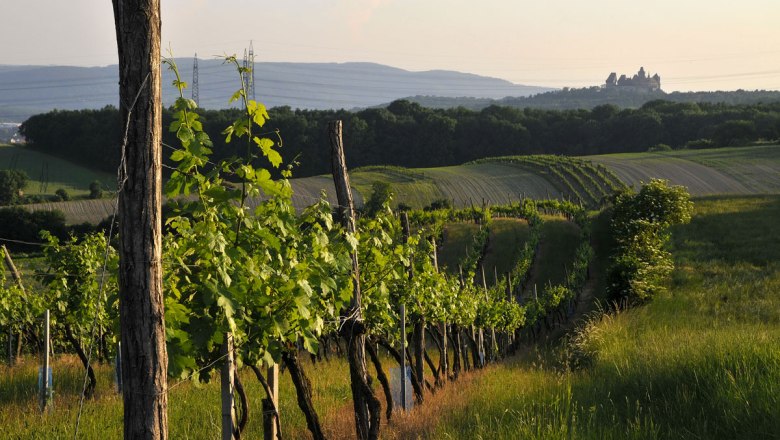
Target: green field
(736,170)
(48,173)
(700,362)
(739,170)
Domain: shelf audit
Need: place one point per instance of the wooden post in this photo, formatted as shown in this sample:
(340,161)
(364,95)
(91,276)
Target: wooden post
(12,267)
(509,286)
(13,352)
(118,368)
(45,385)
(365,403)
(406,231)
(141,309)
(403,356)
(228,388)
(443,361)
(269,421)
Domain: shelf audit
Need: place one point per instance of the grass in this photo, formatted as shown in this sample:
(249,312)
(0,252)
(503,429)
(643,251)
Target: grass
(735,170)
(47,173)
(194,410)
(507,237)
(700,362)
(558,243)
(457,240)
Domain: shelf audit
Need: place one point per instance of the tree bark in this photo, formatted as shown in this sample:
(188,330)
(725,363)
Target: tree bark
(142,320)
(303,390)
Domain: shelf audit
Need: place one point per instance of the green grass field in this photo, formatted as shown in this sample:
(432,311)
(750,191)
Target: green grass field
(507,237)
(700,362)
(736,170)
(48,174)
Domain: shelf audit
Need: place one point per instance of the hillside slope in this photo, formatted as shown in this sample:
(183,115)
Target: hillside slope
(745,170)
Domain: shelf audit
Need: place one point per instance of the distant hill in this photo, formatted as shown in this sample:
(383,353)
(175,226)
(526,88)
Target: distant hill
(28,90)
(590,97)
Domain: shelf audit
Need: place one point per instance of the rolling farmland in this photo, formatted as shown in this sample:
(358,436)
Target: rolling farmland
(734,171)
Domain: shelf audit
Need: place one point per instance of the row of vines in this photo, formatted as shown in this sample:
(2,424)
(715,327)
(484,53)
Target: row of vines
(277,282)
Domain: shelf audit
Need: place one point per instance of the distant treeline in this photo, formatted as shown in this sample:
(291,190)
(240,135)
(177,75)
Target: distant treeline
(590,97)
(407,134)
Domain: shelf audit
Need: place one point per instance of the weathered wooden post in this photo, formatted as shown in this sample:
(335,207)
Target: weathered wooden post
(270,421)
(228,388)
(141,306)
(118,368)
(403,357)
(443,361)
(13,352)
(367,409)
(406,232)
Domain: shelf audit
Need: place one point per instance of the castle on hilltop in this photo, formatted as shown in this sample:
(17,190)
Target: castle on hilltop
(639,82)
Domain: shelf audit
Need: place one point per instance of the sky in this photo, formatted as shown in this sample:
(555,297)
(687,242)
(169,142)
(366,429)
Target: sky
(691,44)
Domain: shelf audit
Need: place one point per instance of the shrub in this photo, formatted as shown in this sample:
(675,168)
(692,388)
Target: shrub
(12,183)
(23,225)
(62,195)
(640,226)
(700,144)
(95,190)
(659,148)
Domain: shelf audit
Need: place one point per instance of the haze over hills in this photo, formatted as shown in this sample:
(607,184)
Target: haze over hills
(28,90)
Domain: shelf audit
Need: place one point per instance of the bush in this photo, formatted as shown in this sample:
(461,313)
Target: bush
(23,225)
(659,148)
(62,195)
(381,194)
(640,226)
(95,190)
(700,144)
(12,183)
(439,204)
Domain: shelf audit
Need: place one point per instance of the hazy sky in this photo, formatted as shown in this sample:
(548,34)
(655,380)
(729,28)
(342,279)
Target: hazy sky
(692,44)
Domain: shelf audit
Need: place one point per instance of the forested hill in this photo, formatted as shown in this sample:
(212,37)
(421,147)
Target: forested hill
(588,98)
(409,135)
(27,90)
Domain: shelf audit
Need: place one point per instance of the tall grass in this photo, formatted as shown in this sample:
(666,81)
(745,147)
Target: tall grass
(194,410)
(701,362)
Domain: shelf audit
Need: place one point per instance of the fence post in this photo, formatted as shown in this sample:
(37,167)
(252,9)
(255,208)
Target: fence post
(118,367)
(365,403)
(269,420)
(228,386)
(403,356)
(13,354)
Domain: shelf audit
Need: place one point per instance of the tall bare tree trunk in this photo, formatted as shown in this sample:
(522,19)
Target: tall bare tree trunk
(141,310)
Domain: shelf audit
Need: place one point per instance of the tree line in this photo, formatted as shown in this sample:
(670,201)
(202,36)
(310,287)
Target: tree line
(407,134)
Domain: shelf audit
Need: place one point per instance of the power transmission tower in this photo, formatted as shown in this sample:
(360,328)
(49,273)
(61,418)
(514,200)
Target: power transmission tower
(249,72)
(195,91)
